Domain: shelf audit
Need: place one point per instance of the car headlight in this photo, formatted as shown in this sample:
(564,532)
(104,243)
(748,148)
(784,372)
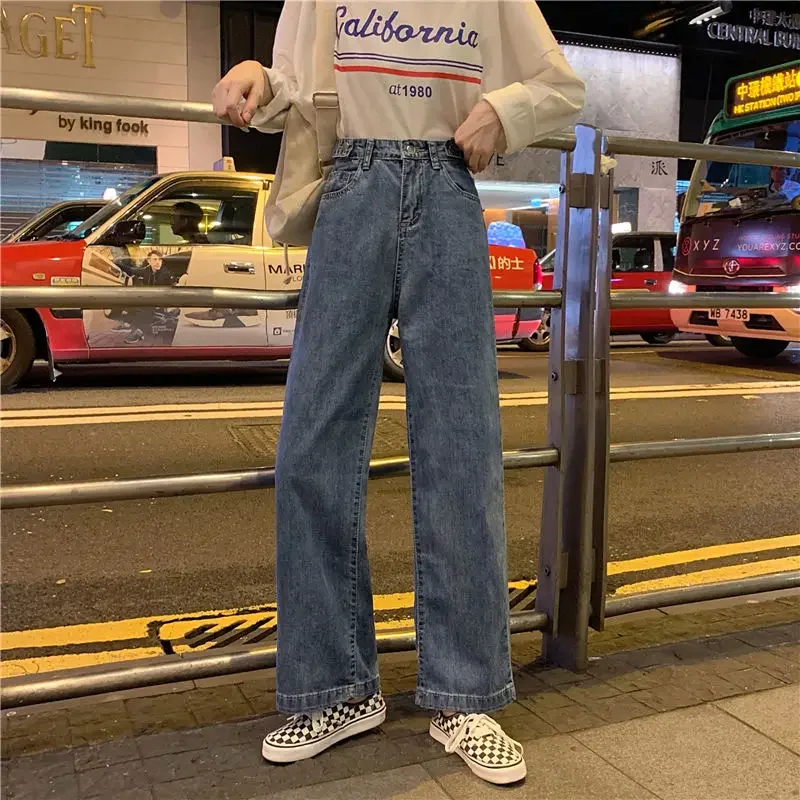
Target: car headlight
(676,287)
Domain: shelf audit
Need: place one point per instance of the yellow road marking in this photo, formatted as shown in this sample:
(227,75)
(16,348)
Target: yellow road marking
(112,631)
(178,629)
(33,666)
(152,409)
(701,393)
(138,628)
(713,575)
(394,624)
(390,602)
(702,554)
(105,415)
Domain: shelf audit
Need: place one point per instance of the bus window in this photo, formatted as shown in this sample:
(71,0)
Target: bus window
(719,187)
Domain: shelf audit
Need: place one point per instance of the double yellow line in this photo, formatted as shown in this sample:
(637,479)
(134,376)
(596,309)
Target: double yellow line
(174,627)
(177,412)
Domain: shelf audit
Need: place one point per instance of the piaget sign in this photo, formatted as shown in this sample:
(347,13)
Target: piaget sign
(35,35)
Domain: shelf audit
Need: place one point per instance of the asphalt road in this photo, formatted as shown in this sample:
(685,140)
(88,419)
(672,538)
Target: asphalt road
(68,565)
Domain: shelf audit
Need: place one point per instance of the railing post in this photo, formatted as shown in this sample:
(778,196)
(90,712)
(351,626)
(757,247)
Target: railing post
(602,437)
(565,557)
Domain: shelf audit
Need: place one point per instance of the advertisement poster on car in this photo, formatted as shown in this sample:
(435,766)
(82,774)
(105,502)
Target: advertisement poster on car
(164,266)
(724,247)
(284,273)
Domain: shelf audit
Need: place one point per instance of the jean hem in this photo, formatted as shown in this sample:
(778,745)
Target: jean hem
(313,701)
(442,701)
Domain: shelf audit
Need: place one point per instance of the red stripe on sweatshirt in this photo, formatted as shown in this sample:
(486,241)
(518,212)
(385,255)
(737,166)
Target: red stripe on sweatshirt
(409,73)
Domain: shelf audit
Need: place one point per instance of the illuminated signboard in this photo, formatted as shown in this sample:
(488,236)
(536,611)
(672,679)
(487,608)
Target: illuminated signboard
(769,90)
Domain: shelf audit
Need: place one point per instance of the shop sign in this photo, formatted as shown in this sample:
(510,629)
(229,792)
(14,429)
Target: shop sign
(36,35)
(770,29)
(658,166)
(104,125)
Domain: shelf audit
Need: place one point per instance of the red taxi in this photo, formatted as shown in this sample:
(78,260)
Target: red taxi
(184,229)
(640,262)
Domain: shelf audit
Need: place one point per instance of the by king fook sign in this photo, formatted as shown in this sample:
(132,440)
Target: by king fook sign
(106,126)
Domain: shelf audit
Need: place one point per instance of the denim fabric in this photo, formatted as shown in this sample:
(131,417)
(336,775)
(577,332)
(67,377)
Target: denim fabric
(400,233)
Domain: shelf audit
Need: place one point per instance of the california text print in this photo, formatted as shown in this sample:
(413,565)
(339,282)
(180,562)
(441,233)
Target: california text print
(393,29)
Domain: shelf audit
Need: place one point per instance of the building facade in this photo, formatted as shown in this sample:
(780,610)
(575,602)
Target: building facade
(138,48)
(172,49)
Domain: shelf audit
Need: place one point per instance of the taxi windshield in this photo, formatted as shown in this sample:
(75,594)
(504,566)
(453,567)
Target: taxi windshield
(719,187)
(99,218)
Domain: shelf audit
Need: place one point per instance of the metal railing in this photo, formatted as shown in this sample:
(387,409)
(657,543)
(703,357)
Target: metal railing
(571,594)
(67,493)
(190,297)
(187,111)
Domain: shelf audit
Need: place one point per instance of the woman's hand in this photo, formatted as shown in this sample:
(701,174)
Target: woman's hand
(480,136)
(237,96)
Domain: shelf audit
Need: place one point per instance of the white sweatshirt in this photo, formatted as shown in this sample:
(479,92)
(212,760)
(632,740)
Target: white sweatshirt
(414,69)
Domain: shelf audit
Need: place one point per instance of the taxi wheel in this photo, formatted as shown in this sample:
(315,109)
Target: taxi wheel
(717,340)
(17,346)
(539,342)
(393,369)
(658,338)
(761,349)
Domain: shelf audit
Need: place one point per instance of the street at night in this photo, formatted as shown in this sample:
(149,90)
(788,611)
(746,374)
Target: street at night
(171,558)
(234,235)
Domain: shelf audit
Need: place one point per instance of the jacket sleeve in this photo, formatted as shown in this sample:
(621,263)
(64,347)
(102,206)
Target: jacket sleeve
(527,80)
(287,77)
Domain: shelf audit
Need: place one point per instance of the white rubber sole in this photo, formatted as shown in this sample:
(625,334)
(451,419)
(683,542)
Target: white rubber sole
(500,775)
(287,755)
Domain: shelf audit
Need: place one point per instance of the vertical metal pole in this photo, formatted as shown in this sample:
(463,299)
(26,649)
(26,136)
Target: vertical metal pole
(602,437)
(547,581)
(565,560)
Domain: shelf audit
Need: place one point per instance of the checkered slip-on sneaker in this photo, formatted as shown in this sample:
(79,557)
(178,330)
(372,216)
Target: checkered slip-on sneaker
(482,744)
(308,734)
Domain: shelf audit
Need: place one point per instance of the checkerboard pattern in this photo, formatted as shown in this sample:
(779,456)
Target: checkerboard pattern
(484,742)
(303,729)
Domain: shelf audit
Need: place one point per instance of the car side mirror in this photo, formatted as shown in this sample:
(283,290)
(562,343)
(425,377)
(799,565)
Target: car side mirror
(126,231)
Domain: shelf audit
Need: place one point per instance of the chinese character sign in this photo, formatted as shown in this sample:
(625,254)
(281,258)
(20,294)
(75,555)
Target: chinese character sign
(775,19)
(658,167)
(511,268)
(770,90)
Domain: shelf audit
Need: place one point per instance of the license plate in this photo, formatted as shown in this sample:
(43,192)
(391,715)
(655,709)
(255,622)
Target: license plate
(729,313)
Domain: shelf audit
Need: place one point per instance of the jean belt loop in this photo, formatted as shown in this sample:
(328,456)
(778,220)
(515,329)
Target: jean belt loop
(433,150)
(366,159)
(343,148)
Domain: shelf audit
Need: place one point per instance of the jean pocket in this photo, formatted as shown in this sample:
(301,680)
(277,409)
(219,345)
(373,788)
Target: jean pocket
(341,179)
(460,179)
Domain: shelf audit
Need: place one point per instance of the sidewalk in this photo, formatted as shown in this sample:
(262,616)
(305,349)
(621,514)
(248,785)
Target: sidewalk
(680,704)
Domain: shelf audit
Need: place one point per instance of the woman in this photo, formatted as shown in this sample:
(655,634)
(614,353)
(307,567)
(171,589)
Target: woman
(428,91)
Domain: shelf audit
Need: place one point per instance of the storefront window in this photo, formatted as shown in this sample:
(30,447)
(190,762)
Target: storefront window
(27,185)
(520,214)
